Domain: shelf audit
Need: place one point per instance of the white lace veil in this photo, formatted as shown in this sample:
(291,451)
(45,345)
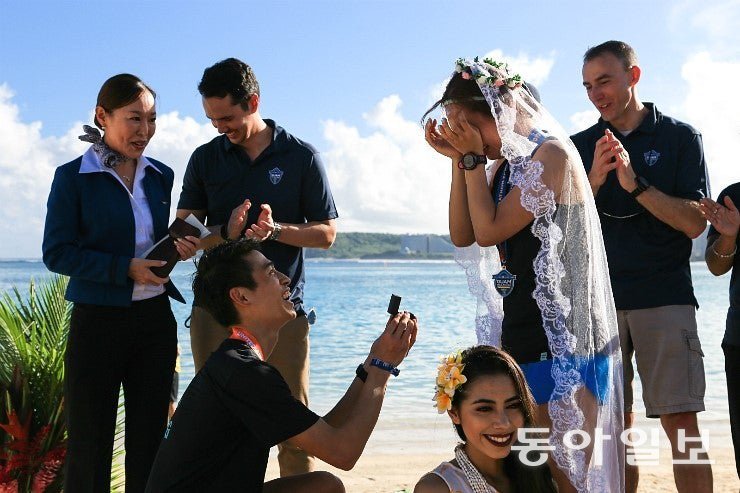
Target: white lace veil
(572,289)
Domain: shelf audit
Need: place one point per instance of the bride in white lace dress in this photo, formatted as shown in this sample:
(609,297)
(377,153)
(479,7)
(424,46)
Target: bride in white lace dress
(530,241)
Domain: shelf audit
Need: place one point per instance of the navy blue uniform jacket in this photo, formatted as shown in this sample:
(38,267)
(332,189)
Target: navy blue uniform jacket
(89,233)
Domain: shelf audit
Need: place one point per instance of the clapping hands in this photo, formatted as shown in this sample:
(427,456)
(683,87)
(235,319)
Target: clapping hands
(610,154)
(265,225)
(725,218)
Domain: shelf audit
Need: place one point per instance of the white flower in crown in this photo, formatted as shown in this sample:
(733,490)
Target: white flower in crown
(488,72)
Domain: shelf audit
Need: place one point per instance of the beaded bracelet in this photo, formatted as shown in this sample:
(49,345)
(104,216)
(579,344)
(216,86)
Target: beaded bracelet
(379,363)
(729,255)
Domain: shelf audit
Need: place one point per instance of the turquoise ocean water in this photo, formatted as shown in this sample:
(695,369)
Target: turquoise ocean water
(351,297)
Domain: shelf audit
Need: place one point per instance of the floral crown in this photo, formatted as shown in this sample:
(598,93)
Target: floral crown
(449,378)
(488,72)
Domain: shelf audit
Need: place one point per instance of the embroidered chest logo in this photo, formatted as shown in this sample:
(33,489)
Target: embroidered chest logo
(276,174)
(651,157)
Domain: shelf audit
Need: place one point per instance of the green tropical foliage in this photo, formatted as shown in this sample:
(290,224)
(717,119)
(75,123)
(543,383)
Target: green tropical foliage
(33,335)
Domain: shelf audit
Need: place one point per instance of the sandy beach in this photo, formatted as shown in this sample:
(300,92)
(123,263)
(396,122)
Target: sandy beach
(378,473)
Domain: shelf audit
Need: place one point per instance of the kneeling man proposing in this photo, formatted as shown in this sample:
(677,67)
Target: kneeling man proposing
(238,406)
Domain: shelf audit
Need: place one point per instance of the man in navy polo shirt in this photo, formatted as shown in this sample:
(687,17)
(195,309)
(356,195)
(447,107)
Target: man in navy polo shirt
(256,179)
(647,171)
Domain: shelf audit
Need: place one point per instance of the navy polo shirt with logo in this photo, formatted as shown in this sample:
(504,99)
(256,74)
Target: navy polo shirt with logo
(648,260)
(288,175)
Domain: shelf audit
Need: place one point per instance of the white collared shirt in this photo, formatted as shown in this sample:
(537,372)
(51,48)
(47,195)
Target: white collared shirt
(143,224)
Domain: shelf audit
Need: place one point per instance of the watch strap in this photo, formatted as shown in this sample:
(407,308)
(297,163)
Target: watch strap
(277,229)
(477,159)
(642,185)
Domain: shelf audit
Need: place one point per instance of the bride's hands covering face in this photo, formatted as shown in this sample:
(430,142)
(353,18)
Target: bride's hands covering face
(438,143)
(460,134)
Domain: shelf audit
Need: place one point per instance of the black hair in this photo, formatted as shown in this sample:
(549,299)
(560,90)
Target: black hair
(464,92)
(232,77)
(119,91)
(483,361)
(220,269)
(467,94)
(624,52)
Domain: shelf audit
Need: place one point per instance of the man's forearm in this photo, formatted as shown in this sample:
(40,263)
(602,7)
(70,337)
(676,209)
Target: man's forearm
(337,417)
(680,214)
(212,239)
(316,234)
(360,421)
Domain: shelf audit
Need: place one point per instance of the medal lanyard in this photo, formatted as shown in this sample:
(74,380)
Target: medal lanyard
(242,334)
(502,188)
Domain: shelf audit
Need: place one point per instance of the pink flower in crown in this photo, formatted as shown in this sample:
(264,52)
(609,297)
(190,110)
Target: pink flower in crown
(465,75)
(499,82)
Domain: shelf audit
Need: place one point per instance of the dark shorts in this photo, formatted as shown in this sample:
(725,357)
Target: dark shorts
(594,374)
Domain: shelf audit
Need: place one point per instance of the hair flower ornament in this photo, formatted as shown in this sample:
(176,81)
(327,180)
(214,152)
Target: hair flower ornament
(449,378)
(488,72)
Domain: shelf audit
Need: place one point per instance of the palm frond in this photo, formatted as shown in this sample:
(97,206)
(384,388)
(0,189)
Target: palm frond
(33,334)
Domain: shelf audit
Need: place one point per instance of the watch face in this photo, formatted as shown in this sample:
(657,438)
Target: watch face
(470,161)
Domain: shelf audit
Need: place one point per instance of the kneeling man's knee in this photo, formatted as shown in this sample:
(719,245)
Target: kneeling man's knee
(329,482)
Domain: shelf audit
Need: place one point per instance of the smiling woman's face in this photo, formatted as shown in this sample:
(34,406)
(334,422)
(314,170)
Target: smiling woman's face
(490,415)
(129,129)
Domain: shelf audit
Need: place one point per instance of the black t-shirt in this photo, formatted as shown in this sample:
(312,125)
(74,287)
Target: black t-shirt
(648,260)
(732,331)
(522,334)
(233,411)
(289,175)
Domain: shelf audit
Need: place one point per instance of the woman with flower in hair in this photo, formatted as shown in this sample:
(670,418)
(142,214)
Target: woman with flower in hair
(529,238)
(485,395)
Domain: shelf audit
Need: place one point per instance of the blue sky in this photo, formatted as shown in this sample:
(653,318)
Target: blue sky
(351,77)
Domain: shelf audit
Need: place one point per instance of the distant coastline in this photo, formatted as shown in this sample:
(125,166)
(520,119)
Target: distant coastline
(371,246)
(386,246)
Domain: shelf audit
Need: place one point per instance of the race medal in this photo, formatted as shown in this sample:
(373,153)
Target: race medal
(504,282)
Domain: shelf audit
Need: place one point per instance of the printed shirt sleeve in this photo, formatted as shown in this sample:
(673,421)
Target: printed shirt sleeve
(193,195)
(691,175)
(317,202)
(259,396)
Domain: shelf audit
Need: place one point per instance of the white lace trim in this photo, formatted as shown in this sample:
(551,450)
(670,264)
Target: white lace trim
(563,409)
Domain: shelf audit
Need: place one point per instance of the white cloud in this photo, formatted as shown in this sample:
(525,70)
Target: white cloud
(390,180)
(532,69)
(582,120)
(714,24)
(28,160)
(715,111)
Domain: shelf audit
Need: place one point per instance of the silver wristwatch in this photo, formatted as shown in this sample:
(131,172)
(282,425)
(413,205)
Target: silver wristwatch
(277,229)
